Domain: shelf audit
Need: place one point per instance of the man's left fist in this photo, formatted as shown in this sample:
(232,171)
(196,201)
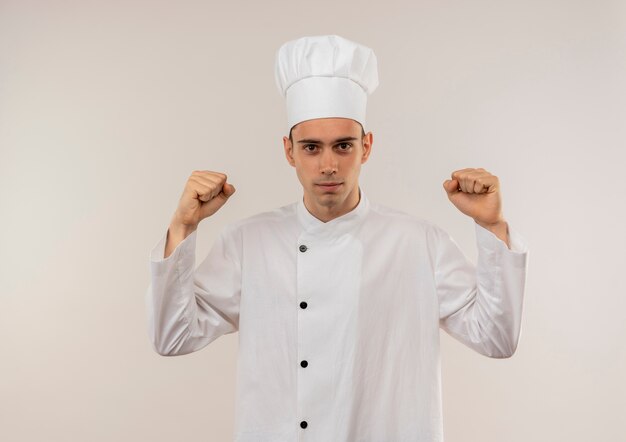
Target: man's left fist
(476,193)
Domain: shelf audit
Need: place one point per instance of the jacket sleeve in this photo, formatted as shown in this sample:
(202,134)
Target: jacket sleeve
(481,305)
(189,308)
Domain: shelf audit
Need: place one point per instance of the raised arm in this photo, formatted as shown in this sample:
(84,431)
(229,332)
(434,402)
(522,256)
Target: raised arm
(481,305)
(188,308)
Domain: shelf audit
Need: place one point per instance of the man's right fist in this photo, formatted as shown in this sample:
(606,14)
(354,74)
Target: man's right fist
(205,192)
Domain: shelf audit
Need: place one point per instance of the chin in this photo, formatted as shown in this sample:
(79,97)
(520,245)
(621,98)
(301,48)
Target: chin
(331,199)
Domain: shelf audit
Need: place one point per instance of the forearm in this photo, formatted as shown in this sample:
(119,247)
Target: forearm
(170,299)
(481,306)
(176,233)
(501,230)
(190,307)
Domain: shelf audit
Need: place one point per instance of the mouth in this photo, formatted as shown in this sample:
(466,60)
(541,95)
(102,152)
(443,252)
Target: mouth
(329,186)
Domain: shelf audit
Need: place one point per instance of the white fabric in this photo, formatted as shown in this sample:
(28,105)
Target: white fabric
(325,76)
(379,283)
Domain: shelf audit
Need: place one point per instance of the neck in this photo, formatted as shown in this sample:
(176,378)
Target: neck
(327,213)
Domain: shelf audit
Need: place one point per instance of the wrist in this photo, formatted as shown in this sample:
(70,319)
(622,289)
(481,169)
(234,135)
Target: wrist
(495,225)
(180,229)
(500,229)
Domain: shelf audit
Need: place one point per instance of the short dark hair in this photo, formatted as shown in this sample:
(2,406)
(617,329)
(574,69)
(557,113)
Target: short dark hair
(362,132)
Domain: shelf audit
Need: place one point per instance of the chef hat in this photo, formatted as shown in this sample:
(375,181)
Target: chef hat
(325,76)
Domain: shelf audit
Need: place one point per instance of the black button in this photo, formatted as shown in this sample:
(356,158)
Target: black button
(303,248)
(303,304)
(303,424)
(304,363)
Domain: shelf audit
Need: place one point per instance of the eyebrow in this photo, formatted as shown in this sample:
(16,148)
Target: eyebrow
(338,140)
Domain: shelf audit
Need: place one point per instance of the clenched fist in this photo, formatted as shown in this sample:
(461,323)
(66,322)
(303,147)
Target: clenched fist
(204,194)
(476,193)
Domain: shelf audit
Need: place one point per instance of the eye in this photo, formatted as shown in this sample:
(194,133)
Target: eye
(346,146)
(306,147)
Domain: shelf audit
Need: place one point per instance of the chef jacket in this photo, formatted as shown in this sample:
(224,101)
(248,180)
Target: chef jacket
(338,321)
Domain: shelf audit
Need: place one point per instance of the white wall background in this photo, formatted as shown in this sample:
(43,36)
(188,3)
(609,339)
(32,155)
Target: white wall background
(107,106)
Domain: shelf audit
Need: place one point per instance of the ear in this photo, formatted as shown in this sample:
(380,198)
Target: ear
(367,142)
(287,145)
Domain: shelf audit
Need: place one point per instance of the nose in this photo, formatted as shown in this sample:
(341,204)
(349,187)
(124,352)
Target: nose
(328,162)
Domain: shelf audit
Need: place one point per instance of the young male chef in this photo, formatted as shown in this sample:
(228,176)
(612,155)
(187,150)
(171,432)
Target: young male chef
(338,300)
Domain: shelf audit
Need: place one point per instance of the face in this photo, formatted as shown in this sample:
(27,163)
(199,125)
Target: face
(327,154)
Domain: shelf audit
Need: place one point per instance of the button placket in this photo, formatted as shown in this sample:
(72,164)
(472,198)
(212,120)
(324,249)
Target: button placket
(306,282)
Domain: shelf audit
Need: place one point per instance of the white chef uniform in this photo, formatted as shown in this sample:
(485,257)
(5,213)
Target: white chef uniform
(338,322)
